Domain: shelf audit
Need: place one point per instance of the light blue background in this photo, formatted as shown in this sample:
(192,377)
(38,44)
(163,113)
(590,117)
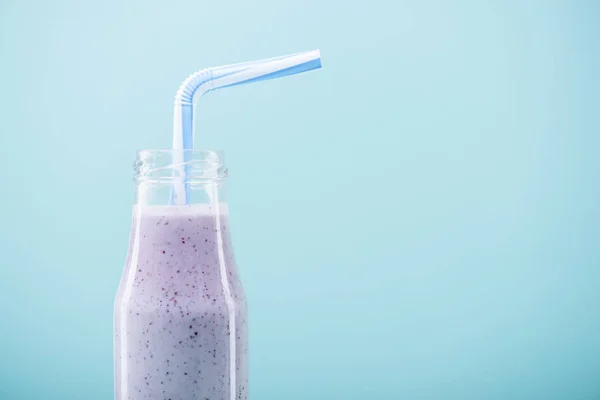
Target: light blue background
(418,220)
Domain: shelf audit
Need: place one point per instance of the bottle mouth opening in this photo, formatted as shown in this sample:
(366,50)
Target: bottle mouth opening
(170,165)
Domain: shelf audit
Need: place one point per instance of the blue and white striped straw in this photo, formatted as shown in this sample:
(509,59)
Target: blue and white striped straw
(209,79)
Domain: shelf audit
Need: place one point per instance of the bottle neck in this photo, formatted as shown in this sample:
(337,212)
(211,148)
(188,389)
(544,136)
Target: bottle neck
(175,245)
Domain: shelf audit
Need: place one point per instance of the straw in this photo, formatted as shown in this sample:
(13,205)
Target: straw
(209,79)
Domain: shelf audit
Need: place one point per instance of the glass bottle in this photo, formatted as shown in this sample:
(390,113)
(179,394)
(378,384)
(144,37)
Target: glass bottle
(180,327)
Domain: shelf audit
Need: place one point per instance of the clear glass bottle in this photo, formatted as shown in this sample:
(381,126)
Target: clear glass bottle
(180,312)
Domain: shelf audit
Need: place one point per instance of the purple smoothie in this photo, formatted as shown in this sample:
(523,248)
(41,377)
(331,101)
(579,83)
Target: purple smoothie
(180,311)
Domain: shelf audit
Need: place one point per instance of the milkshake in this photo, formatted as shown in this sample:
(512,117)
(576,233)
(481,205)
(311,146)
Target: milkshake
(180,311)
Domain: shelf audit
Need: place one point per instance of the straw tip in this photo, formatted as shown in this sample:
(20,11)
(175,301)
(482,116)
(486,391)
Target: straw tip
(317,55)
